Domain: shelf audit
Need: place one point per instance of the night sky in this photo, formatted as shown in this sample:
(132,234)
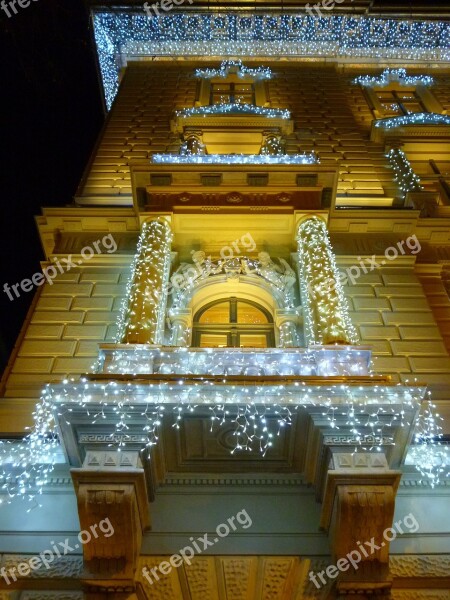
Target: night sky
(51,115)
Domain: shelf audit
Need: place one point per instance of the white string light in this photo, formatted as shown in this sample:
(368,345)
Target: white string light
(326,309)
(142,315)
(407,180)
(237,159)
(413,119)
(234,108)
(125,34)
(394,75)
(237,66)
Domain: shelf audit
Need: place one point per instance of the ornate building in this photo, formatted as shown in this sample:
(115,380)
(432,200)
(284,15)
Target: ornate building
(242,325)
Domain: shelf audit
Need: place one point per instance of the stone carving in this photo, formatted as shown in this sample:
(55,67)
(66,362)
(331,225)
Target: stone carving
(420,594)
(236,572)
(280,277)
(201,579)
(362,509)
(308,590)
(166,588)
(119,495)
(419,566)
(67,567)
(276,575)
(50,595)
(193,145)
(272,145)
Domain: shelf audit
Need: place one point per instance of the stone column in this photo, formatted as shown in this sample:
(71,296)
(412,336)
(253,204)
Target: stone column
(181,327)
(144,319)
(325,308)
(286,322)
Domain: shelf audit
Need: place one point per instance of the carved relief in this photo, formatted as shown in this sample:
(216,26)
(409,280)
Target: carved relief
(120,496)
(49,595)
(201,579)
(236,572)
(276,576)
(420,595)
(167,587)
(411,566)
(67,567)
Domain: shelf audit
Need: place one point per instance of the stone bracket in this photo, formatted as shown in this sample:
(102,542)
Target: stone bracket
(358,507)
(120,496)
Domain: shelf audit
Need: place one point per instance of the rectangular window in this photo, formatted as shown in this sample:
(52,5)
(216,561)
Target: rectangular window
(232,93)
(395,104)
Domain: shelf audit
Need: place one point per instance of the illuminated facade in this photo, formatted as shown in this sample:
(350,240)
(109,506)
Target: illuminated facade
(256,320)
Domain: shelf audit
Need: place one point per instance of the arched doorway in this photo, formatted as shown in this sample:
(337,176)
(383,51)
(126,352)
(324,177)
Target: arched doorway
(234,323)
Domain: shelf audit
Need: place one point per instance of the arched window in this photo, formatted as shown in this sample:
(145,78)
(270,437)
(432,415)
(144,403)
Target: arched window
(233,323)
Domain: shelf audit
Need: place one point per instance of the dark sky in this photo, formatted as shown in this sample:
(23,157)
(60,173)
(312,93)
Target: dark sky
(51,115)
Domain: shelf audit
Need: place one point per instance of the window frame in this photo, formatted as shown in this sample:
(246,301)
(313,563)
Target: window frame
(233,330)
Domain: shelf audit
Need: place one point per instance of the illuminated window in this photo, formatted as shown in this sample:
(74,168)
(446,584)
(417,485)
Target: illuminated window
(396,103)
(232,93)
(233,323)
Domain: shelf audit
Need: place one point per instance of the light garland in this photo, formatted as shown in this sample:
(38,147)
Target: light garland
(234,108)
(321,361)
(413,119)
(407,180)
(326,309)
(430,457)
(237,159)
(143,313)
(123,34)
(398,75)
(238,67)
(258,413)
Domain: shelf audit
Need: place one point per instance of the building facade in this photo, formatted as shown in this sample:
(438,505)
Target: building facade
(242,326)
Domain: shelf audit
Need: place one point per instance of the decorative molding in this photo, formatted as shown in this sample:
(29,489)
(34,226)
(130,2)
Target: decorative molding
(420,594)
(208,480)
(66,567)
(412,566)
(50,595)
(359,460)
(348,439)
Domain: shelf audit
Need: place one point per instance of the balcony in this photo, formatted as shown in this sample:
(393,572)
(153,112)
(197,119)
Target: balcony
(253,363)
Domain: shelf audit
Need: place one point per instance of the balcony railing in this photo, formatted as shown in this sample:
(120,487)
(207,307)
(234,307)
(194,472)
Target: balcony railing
(322,361)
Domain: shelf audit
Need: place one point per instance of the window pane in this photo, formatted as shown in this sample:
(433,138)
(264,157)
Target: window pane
(253,340)
(413,107)
(250,314)
(213,340)
(219,313)
(384,96)
(392,109)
